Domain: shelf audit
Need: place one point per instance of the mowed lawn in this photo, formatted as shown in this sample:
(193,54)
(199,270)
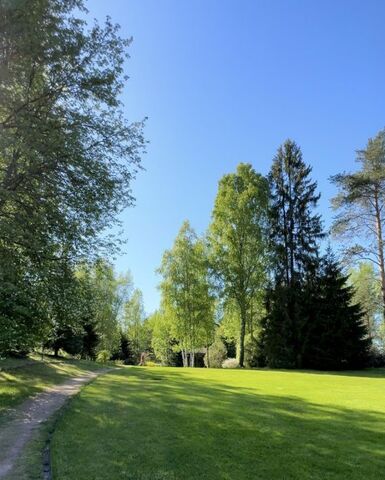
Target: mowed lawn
(144,423)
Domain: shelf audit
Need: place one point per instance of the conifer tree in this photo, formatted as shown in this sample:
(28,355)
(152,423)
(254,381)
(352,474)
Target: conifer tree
(336,337)
(294,228)
(295,231)
(360,206)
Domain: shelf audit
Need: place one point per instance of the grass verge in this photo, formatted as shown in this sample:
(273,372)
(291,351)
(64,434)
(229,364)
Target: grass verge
(21,378)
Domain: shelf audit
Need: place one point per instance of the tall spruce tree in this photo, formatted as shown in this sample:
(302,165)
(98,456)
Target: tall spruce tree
(294,228)
(295,231)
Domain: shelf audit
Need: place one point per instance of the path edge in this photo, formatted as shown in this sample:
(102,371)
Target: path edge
(46,459)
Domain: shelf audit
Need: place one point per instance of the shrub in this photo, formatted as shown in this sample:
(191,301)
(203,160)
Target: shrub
(217,353)
(230,363)
(103,356)
(150,363)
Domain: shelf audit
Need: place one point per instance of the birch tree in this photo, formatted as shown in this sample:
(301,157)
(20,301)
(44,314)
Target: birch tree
(237,240)
(186,296)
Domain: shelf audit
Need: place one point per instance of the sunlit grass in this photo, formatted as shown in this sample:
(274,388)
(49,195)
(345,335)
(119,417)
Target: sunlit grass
(20,378)
(164,423)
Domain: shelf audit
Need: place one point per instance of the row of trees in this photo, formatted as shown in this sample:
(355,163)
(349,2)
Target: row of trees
(262,278)
(67,158)
(100,313)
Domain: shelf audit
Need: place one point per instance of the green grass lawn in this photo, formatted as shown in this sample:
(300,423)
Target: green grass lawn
(20,378)
(175,424)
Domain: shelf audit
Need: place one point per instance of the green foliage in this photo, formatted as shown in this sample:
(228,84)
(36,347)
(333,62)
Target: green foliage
(367,293)
(337,338)
(295,231)
(186,293)
(103,356)
(294,227)
(67,158)
(134,325)
(253,352)
(162,341)
(90,341)
(237,241)
(328,332)
(150,363)
(124,353)
(359,204)
(216,354)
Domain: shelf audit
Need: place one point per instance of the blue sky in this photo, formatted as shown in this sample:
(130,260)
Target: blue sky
(227,81)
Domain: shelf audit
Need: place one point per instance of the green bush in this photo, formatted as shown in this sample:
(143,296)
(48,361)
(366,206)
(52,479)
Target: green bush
(103,356)
(150,363)
(217,353)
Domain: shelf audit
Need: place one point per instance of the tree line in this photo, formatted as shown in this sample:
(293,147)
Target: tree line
(264,282)
(259,287)
(67,159)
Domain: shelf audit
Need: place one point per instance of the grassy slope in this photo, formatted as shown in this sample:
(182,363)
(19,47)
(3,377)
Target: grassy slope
(164,423)
(20,378)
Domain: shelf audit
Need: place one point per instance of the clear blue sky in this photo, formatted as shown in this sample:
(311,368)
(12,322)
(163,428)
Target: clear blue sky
(227,81)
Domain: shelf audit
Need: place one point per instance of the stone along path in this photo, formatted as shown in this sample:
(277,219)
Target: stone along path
(18,428)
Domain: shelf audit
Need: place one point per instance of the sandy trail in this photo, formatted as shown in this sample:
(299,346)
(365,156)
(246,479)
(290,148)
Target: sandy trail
(17,430)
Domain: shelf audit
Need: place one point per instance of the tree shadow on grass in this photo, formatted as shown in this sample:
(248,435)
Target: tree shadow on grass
(19,382)
(141,424)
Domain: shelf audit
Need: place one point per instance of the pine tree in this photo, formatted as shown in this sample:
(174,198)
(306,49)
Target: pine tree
(360,203)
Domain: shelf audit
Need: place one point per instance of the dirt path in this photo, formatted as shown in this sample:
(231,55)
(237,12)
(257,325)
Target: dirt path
(25,419)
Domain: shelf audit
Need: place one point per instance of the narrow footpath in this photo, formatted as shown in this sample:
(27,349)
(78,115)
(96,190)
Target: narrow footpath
(17,430)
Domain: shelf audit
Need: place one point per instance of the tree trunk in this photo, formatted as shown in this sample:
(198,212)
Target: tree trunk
(207,356)
(242,336)
(380,244)
(184,358)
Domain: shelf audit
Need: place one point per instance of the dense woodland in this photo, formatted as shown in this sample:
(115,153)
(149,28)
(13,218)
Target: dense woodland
(266,285)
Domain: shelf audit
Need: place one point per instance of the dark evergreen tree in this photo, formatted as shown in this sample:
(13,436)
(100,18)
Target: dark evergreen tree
(90,341)
(294,228)
(278,334)
(295,231)
(66,339)
(125,352)
(336,336)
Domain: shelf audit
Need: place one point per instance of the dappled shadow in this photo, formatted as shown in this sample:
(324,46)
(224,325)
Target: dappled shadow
(167,424)
(32,376)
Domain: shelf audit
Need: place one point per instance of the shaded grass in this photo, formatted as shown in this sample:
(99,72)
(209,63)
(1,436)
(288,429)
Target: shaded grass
(21,378)
(172,424)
